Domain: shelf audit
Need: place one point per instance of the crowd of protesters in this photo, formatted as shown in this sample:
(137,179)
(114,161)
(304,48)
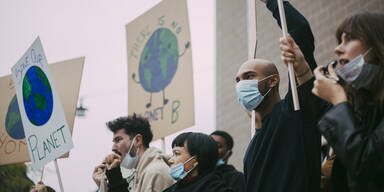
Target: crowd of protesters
(344,103)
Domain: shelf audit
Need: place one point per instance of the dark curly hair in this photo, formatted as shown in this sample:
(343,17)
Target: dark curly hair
(132,126)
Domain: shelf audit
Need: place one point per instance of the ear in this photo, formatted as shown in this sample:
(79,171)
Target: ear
(229,154)
(274,81)
(138,140)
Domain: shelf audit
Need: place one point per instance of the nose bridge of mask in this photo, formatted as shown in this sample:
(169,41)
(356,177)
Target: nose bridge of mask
(253,83)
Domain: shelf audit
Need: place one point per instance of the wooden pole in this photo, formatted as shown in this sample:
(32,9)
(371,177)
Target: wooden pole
(291,72)
(58,176)
(251,39)
(42,173)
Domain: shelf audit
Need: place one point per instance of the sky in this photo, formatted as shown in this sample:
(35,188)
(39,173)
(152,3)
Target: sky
(96,29)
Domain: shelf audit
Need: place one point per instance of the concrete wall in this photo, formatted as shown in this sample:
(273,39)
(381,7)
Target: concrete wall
(231,46)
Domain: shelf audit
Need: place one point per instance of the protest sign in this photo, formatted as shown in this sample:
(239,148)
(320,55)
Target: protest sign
(160,75)
(46,130)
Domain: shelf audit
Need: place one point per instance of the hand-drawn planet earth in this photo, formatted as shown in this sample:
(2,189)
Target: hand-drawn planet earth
(13,123)
(37,96)
(158,60)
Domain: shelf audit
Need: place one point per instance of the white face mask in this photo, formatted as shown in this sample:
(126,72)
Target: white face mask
(358,73)
(130,161)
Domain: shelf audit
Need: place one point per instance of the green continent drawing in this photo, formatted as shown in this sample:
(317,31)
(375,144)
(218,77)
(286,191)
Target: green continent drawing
(13,124)
(37,96)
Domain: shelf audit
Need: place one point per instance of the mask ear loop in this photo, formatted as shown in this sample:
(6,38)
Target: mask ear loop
(265,79)
(187,162)
(366,52)
(130,148)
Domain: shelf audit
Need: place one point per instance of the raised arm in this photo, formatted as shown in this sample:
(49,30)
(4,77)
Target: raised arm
(298,28)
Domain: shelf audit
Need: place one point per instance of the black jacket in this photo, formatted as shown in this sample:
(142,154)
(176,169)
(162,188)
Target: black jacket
(358,141)
(209,182)
(232,177)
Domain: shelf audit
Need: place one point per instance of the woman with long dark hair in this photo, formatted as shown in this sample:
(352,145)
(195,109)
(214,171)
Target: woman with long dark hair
(354,126)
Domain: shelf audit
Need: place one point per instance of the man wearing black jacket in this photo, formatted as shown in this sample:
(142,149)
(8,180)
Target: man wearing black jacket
(284,153)
(230,175)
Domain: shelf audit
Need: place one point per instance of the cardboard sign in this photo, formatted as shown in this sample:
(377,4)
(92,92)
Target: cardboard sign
(13,147)
(160,76)
(46,130)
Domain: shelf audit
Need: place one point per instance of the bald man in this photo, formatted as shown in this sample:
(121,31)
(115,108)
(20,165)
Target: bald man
(284,153)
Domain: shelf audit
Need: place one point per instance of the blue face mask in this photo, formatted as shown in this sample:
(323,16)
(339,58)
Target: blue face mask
(248,93)
(220,162)
(177,172)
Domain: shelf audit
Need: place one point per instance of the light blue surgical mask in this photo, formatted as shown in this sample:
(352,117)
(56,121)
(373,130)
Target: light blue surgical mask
(130,161)
(177,172)
(220,162)
(248,93)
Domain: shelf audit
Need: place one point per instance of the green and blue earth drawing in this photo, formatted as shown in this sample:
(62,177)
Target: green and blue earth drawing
(37,96)
(13,123)
(158,62)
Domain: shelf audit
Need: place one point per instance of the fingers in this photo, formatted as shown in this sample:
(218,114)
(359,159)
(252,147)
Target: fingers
(289,50)
(113,160)
(115,163)
(109,159)
(284,45)
(99,168)
(319,73)
(315,91)
(291,41)
(332,73)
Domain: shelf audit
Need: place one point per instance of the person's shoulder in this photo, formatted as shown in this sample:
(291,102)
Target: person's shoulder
(213,182)
(229,169)
(157,167)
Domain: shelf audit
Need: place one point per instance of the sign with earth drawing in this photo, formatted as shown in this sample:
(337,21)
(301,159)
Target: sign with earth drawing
(160,76)
(46,130)
(13,146)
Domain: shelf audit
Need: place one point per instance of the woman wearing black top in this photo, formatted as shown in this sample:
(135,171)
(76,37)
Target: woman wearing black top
(194,158)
